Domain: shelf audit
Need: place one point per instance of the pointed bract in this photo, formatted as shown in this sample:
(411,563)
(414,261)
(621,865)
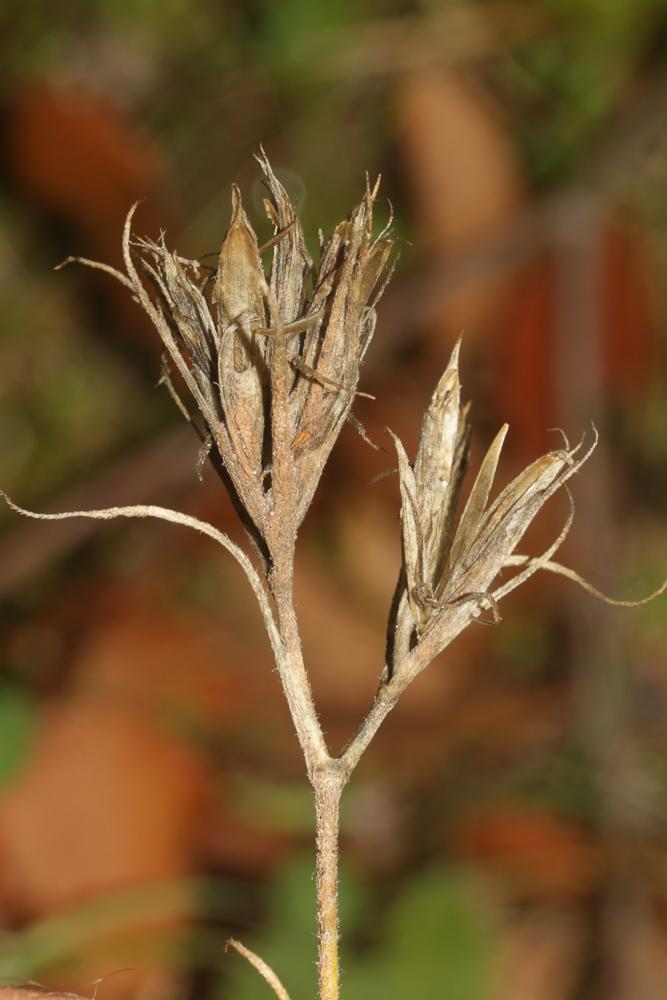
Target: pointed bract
(411,531)
(440,465)
(479,496)
(292,263)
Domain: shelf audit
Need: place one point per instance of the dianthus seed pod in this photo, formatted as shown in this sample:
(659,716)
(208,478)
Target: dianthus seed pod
(228,337)
(445,563)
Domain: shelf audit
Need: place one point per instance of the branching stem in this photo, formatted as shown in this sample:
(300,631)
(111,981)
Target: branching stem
(293,676)
(450,624)
(325,773)
(449,567)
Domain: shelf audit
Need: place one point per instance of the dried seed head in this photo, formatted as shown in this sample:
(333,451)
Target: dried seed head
(271,360)
(445,562)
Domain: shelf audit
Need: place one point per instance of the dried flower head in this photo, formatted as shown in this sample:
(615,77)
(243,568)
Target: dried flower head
(271,360)
(446,561)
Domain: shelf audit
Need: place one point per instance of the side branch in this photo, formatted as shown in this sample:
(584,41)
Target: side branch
(186,520)
(447,627)
(449,624)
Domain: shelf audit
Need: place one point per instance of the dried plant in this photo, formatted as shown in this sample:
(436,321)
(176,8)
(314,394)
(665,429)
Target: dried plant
(272,363)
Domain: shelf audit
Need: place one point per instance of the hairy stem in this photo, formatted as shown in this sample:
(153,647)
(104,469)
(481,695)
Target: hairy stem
(394,683)
(328,786)
(281,537)
(292,673)
(325,774)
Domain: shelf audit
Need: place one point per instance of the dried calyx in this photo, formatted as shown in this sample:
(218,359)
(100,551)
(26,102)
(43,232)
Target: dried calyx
(271,361)
(447,561)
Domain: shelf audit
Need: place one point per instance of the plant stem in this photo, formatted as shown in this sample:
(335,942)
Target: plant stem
(392,686)
(281,538)
(328,786)
(293,676)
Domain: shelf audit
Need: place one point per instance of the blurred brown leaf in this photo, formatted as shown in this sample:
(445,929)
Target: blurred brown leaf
(541,854)
(464,183)
(538,957)
(80,160)
(115,800)
(527,338)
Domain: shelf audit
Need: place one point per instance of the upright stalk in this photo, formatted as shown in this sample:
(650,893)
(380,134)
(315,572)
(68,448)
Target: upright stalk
(328,786)
(327,778)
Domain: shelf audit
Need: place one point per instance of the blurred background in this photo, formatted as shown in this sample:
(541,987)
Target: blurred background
(505,836)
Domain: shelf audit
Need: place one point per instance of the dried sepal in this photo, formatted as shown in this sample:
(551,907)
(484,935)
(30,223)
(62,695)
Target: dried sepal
(350,270)
(430,493)
(478,498)
(504,524)
(241,371)
(237,289)
(538,562)
(161,320)
(192,337)
(411,533)
(437,442)
(292,263)
(440,465)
